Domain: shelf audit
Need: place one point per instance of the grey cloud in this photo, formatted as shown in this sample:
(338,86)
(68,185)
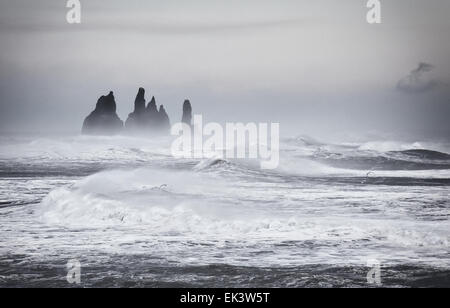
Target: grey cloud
(271,60)
(147,17)
(152,27)
(418,80)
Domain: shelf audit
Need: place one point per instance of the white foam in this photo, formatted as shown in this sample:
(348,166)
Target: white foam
(200,215)
(85,148)
(185,203)
(386,146)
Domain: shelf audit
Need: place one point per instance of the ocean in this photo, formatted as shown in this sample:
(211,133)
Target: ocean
(135,216)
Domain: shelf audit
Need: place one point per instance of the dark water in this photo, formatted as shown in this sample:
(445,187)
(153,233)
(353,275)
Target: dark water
(137,271)
(134,216)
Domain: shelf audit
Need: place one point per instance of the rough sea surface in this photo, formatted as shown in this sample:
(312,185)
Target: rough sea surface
(135,216)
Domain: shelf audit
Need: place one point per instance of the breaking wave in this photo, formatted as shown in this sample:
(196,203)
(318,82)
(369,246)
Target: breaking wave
(325,204)
(186,204)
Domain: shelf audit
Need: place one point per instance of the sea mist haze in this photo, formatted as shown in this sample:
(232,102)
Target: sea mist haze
(364,153)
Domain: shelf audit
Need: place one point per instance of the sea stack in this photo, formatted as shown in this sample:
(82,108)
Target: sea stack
(187,113)
(155,118)
(144,120)
(152,112)
(104,119)
(138,118)
(147,119)
(163,120)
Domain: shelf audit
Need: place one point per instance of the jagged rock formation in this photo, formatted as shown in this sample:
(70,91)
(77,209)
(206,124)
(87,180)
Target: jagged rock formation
(163,120)
(143,120)
(187,113)
(147,119)
(137,119)
(152,111)
(104,119)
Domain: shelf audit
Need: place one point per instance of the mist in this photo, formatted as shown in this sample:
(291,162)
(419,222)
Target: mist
(316,68)
(340,179)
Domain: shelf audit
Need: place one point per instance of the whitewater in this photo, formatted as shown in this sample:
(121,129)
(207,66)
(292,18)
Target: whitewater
(134,215)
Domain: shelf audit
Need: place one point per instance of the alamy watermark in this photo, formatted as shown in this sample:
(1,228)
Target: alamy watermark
(374,14)
(232,141)
(374,274)
(73,272)
(73,16)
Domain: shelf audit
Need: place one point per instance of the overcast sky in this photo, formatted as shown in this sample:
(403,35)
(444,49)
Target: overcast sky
(315,66)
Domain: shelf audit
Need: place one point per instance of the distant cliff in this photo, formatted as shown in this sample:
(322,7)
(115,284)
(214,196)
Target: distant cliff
(104,119)
(137,118)
(187,113)
(144,120)
(147,119)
